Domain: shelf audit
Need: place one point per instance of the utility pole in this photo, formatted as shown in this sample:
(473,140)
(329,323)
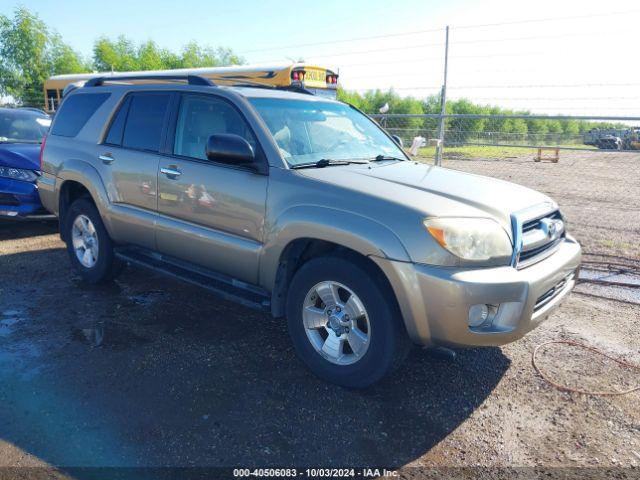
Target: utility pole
(443,102)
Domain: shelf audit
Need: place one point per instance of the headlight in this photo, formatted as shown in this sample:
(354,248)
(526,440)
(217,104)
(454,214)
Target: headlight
(475,239)
(18,174)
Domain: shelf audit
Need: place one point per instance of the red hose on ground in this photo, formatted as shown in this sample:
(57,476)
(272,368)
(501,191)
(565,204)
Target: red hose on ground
(591,349)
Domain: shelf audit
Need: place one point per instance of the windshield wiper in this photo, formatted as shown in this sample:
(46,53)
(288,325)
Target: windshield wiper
(326,162)
(382,158)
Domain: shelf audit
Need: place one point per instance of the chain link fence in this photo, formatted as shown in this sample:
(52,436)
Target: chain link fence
(589,165)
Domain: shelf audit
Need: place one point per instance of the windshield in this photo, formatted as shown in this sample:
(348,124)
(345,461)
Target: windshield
(21,126)
(310,131)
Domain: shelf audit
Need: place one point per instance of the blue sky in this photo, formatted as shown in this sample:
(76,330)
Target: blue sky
(550,56)
(242,25)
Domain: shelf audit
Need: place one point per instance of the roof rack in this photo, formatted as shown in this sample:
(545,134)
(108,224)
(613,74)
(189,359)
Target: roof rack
(267,86)
(191,79)
(297,89)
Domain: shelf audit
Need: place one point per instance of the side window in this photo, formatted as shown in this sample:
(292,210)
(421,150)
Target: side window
(143,125)
(75,112)
(200,117)
(116,129)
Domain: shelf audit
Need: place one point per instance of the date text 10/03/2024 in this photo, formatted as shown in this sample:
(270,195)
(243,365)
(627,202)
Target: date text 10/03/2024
(315,473)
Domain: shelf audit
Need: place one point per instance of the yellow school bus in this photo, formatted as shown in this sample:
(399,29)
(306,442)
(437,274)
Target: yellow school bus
(316,79)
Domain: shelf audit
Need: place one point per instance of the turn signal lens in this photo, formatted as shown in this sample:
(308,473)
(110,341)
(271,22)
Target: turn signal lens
(438,234)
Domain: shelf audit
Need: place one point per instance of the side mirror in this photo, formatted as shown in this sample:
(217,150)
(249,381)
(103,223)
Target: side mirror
(398,140)
(230,149)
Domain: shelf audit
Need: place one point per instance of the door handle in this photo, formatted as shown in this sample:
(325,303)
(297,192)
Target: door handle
(171,171)
(106,158)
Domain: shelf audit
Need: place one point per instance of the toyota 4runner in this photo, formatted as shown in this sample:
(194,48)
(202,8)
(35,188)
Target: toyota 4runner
(305,208)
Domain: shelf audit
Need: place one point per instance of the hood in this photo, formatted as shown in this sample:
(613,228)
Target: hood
(20,155)
(434,191)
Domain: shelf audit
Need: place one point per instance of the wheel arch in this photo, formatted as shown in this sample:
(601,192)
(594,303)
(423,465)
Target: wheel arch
(306,233)
(79,179)
(300,251)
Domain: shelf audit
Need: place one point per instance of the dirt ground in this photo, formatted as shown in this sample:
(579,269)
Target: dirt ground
(149,371)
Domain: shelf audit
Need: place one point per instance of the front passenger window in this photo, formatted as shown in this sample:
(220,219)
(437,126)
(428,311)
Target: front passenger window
(199,118)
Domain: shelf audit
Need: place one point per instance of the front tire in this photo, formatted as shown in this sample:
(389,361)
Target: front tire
(89,246)
(344,324)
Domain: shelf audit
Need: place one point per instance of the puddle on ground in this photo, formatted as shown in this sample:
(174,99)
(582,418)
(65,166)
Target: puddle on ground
(107,334)
(147,298)
(8,320)
(111,288)
(20,359)
(90,336)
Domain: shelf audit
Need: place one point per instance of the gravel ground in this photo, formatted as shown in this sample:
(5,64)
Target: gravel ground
(183,379)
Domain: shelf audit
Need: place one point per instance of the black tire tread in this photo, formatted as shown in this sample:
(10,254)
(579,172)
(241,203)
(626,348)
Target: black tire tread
(391,347)
(108,265)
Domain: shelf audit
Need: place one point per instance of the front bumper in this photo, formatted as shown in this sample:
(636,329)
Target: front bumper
(435,301)
(19,198)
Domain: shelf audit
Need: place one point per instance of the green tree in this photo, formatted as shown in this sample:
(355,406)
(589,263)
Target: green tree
(353,98)
(119,55)
(463,130)
(123,55)
(63,59)
(29,54)
(502,129)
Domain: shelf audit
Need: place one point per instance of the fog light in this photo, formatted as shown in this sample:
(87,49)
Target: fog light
(478,314)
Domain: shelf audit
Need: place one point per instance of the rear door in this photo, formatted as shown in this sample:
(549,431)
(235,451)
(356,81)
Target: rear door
(129,160)
(210,213)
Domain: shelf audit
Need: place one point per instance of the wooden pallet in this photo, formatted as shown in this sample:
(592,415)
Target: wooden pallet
(555,158)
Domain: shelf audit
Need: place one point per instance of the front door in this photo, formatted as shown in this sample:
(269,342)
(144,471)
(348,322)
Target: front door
(210,213)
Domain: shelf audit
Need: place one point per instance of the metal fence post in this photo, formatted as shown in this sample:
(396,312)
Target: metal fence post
(443,103)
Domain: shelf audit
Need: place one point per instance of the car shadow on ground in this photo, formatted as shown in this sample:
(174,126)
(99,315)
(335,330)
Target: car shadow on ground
(11,229)
(149,371)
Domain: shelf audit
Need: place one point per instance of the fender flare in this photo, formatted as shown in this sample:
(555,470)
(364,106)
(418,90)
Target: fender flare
(86,175)
(347,229)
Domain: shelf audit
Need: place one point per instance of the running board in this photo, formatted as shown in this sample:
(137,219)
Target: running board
(223,286)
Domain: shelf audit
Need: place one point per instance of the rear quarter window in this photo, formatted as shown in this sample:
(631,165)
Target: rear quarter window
(116,129)
(75,112)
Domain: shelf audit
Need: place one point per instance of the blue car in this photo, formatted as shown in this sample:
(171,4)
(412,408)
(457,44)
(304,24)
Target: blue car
(21,133)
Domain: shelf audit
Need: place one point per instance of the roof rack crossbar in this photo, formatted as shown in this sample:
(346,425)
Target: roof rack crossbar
(191,79)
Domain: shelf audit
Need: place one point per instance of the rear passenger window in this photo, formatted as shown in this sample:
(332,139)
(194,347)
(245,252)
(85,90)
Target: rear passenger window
(75,112)
(143,125)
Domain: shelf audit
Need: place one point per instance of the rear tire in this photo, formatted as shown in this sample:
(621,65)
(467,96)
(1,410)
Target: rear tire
(356,352)
(89,246)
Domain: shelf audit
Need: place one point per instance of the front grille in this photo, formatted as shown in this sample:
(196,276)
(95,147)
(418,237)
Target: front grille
(552,293)
(527,256)
(9,200)
(537,237)
(534,224)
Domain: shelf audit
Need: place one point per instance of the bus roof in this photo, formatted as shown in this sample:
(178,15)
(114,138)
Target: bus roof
(205,71)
